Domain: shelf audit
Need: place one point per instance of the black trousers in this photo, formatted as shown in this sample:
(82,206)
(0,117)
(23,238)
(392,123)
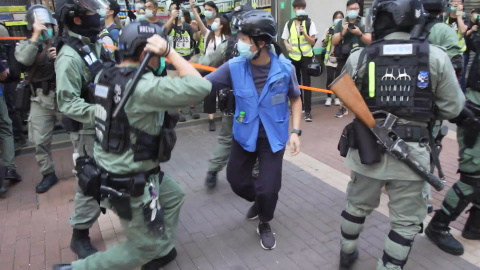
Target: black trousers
(210,103)
(263,190)
(14,113)
(332,73)
(301,68)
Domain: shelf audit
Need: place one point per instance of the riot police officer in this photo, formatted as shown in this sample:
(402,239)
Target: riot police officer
(225,51)
(127,151)
(41,81)
(79,59)
(441,34)
(467,189)
(425,78)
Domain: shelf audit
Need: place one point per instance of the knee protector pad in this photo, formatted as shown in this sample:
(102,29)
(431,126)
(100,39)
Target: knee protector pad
(400,240)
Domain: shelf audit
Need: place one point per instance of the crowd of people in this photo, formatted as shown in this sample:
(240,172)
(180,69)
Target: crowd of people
(110,86)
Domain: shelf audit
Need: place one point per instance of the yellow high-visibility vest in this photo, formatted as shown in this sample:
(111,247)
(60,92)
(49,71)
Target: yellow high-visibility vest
(461,39)
(300,45)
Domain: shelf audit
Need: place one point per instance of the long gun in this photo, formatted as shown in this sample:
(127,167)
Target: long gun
(345,89)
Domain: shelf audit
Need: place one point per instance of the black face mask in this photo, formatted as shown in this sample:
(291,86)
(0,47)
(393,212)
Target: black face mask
(90,27)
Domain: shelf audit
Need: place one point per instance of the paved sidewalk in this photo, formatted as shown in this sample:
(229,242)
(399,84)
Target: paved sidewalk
(213,233)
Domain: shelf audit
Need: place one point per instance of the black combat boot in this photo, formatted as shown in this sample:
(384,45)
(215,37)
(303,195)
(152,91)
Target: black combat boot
(48,181)
(347,260)
(439,232)
(81,245)
(62,267)
(211,180)
(12,175)
(472,227)
(156,264)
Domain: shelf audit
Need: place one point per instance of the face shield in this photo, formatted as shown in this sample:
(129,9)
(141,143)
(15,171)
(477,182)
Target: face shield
(44,16)
(93,5)
(369,16)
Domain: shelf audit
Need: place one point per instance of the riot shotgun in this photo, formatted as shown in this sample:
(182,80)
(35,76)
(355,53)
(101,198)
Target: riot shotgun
(345,89)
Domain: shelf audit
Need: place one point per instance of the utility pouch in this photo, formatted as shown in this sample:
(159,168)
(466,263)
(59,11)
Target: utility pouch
(71,125)
(153,216)
(122,206)
(168,136)
(89,177)
(347,140)
(366,143)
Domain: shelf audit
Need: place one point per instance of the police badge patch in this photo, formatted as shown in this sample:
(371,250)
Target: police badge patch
(422,80)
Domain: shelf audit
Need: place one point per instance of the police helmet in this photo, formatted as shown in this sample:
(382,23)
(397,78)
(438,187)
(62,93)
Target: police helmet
(136,34)
(39,12)
(434,5)
(74,8)
(236,13)
(258,23)
(314,69)
(405,13)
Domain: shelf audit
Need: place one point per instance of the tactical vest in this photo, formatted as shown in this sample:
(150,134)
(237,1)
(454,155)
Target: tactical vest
(300,46)
(94,65)
(397,79)
(113,134)
(43,70)
(182,41)
(461,39)
(473,81)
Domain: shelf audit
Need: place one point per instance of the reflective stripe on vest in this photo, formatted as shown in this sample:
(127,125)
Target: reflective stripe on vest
(329,46)
(300,45)
(461,39)
(182,43)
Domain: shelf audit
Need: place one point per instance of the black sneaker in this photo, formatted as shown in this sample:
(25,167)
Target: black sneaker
(194,114)
(156,264)
(211,125)
(342,112)
(211,180)
(267,239)
(308,117)
(252,212)
(48,181)
(347,260)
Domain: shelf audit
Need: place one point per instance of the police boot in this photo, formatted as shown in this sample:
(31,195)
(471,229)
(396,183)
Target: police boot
(3,190)
(12,175)
(347,260)
(211,180)
(439,232)
(48,181)
(62,267)
(81,245)
(156,264)
(472,227)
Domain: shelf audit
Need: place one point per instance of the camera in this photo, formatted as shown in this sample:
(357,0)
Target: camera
(351,26)
(331,31)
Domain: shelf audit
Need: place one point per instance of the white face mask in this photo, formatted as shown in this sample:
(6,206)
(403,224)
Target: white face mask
(149,13)
(335,22)
(301,12)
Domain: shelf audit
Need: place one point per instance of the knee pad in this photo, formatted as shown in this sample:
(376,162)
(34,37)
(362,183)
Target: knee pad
(463,202)
(398,239)
(353,219)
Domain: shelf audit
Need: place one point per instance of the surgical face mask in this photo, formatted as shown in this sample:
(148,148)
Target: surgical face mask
(215,26)
(208,14)
(102,12)
(352,14)
(453,9)
(139,6)
(336,21)
(244,50)
(301,12)
(161,67)
(180,13)
(141,17)
(149,13)
(49,32)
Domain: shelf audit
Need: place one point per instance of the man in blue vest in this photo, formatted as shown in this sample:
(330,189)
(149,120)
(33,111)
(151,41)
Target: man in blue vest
(262,83)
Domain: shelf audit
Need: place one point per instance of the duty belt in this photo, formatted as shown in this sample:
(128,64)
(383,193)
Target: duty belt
(132,184)
(412,133)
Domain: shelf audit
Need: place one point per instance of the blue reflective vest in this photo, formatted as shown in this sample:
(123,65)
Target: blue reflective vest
(271,107)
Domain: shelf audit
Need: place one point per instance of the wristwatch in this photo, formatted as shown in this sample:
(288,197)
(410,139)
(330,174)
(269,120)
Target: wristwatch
(297,131)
